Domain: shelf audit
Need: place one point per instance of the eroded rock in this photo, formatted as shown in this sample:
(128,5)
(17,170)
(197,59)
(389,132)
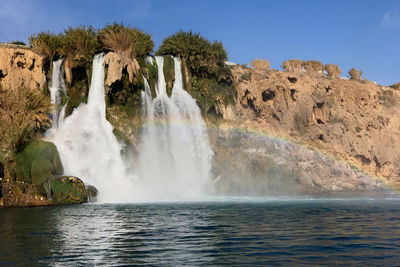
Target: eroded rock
(117,62)
(21,68)
(352,119)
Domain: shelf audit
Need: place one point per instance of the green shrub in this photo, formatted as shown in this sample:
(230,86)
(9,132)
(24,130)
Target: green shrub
(18,42)
(333,70)
(245,76)
(119,38)
(202,57)
(210,94)
(152,77)
(355,74)
(46,44)
(79,43)
(169,73)
(203,65)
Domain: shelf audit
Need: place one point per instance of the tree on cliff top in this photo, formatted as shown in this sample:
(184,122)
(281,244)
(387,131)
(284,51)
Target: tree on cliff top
(204,70)
(46,44)
(199,53)
(79,43)
(122,39)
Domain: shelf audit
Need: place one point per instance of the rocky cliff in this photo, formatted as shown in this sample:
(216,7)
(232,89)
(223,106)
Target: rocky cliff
(21,67)
(351,120)
(285,132)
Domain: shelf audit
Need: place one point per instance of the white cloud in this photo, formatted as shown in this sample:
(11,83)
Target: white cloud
(391,19)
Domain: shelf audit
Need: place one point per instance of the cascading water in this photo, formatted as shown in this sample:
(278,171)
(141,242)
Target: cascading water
(175,154)
(88,147)
(57,86)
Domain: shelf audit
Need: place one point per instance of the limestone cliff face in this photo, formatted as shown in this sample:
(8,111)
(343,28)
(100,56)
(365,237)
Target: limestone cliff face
(117,62)
(21,67)
(356,121)
(353,120)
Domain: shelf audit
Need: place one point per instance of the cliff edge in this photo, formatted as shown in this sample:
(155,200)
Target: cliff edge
(354,120)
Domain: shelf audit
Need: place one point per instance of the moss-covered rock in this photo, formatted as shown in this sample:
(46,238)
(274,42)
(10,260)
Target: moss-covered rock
(55,190)
(68,190)
(38,160)
(169,73)
(21,194)
(152,77)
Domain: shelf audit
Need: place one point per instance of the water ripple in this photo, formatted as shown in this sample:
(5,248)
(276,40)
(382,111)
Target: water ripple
(235,233)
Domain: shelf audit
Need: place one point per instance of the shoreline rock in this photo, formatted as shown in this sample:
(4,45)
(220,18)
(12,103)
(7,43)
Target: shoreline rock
(57,190)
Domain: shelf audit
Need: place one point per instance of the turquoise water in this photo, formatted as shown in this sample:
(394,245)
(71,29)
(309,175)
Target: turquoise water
(230,232)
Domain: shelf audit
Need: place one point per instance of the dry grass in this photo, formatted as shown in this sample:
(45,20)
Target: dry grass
(355,74)
(260,64)
(292,65)
(23,112)
(333,70)
(396,86)
(313,66)
(46,44)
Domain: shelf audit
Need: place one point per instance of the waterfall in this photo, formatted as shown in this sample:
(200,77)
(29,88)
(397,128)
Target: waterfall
(174,154)
(57,86)
(88,147)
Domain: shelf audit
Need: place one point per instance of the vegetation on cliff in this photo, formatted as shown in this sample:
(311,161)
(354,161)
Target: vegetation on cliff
(79,45)
(332,70)
(396,86)
(260,64)
(202,57)
(315,67)
(207,78)
(23,113)
(355,74)
(38,161)
(122,39)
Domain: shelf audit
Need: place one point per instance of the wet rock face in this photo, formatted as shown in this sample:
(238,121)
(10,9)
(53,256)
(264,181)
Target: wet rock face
(353,119)
(21,68)
(68,190)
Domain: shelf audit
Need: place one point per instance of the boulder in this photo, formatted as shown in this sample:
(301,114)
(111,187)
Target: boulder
(55,190)
(38,160)
(68,190)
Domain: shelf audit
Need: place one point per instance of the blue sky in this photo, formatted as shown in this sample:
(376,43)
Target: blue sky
(361,34)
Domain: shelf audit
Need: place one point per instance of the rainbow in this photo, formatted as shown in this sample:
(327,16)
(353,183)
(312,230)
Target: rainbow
(284,139)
